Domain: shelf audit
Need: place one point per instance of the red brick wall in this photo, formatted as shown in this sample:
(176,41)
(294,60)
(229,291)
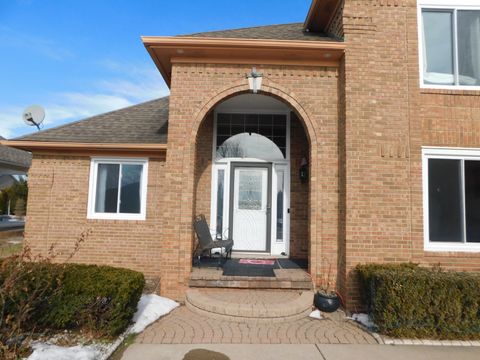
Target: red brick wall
(203,168)
(299,213)
(57,215)
(388,119)
(437,118)
(342,183)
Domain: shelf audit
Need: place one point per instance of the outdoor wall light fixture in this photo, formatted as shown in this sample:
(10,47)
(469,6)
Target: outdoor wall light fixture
(255,80)
(303,173)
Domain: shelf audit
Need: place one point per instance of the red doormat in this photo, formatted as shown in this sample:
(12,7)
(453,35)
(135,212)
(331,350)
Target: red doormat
(256,262)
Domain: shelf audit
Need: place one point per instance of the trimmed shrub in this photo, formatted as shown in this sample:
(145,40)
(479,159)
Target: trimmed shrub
(406,300)
(97,299)
(25,288)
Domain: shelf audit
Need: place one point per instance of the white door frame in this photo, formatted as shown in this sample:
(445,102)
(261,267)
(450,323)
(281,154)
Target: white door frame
(266,201)
(277,247)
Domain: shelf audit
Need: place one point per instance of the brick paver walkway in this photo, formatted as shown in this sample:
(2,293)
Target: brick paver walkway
(250,305)
(183,326)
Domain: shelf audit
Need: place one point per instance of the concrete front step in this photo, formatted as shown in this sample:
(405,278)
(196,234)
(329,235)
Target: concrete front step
(293,279)
(250,305)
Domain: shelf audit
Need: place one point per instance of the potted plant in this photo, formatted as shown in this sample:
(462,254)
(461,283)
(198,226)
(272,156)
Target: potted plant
(326,299)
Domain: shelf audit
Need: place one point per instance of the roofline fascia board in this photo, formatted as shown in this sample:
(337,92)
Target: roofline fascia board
(155,44)
(206,42)
(73,146)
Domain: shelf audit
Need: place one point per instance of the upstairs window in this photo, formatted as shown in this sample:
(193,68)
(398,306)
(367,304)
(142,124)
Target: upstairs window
(118,189)
(450,44)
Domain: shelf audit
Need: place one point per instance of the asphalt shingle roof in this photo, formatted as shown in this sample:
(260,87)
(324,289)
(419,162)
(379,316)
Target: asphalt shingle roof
(15,157)
(145,123)
(292,31)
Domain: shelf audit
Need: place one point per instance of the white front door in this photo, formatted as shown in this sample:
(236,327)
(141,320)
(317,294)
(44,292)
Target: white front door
(250,213)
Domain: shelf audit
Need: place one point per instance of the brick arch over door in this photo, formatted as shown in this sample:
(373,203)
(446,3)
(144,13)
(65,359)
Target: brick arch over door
(181,156)
(269,88)
(201,140)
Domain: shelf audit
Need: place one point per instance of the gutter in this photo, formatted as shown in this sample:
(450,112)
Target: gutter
(194,41)
(78,146)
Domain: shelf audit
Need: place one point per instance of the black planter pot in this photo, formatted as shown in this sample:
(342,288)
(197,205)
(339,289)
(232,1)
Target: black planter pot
(326,303)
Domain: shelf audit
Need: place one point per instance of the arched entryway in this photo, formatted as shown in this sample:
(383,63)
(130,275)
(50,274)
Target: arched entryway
(250,150)
(188,167)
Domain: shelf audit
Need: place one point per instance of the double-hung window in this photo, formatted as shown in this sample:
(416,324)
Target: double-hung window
(451,195)
(118,189)
(449,32)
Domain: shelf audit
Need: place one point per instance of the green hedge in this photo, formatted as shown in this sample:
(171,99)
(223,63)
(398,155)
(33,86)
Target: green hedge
(91,298)
(406,300)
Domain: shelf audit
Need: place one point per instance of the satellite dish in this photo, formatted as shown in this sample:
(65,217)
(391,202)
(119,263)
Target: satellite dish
(34,115)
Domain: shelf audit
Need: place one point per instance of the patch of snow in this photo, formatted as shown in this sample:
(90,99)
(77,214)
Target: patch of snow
(363,319)
(151,308)
(42,351)
(316,314)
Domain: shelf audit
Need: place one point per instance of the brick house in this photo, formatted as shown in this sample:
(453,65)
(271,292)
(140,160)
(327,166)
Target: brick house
(378,100)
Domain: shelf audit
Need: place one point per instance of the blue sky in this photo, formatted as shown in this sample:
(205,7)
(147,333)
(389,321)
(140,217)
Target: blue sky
(81,58)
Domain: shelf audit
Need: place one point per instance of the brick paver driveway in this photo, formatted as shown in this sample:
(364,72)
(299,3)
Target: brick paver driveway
(184,326)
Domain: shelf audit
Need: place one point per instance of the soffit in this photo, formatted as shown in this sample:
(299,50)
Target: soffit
(166,51)
(320,14)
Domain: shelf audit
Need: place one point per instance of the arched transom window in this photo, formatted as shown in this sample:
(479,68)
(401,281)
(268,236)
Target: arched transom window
(258,136)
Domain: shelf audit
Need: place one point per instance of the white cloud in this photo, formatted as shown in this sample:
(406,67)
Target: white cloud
(131,90)
(10,119)
(80,105)
(137,82)
(135,85)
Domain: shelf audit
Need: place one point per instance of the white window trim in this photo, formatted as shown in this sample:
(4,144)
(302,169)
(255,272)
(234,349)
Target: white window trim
(444,153)
(91,214)
(442,4)
(278,247)
(214,198)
